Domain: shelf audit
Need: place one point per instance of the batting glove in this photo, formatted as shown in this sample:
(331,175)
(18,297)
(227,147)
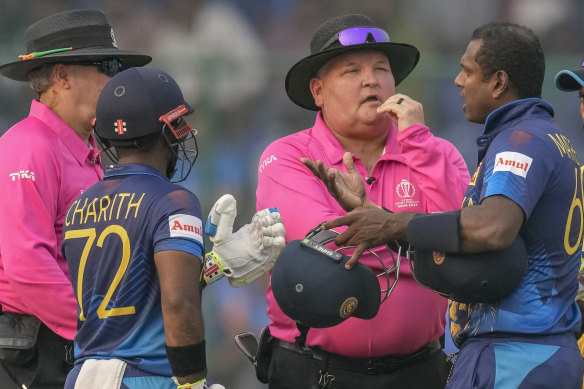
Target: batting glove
(247,254)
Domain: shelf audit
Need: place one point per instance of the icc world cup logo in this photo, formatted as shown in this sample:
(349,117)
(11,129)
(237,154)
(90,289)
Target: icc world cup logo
(405,189)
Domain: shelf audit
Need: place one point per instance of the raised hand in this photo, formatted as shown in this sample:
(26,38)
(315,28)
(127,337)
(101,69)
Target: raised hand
(403,111)
(346,187)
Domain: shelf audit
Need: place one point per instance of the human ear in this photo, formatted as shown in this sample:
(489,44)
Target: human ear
(500,83)
(316,90)
(60,75)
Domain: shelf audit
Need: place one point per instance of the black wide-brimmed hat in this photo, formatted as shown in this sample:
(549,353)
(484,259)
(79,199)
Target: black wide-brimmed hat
(325,45)
(570,80)
(70,36)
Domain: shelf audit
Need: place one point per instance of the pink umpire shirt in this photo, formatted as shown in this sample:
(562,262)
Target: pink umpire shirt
(44,166)
(418,172)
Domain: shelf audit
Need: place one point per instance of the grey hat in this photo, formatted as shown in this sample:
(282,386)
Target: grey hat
(325,45)
(70,36)
(570,80)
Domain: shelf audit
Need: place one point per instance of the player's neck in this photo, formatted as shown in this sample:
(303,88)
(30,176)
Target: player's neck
(157,159)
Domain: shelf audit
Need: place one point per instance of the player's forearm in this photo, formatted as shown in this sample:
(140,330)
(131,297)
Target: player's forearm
(492,225)
(178,274)
(183,326)
(181,310)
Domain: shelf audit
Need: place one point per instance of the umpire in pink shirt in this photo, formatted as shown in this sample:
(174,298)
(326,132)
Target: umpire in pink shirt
(349,79)
(46,161)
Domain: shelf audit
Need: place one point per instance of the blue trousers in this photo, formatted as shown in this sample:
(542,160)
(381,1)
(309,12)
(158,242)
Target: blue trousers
(518,362)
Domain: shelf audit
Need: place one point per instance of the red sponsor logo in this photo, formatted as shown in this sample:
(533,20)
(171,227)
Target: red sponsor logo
(513,162)
(178,226)
(509,162)
(176,113)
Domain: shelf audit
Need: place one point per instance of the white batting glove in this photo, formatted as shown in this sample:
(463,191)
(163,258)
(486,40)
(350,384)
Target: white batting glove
(220,221)
(247,254)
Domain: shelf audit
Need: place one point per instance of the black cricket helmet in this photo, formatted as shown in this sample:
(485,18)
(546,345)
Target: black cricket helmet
(484,277)
(138,104)
(312,286)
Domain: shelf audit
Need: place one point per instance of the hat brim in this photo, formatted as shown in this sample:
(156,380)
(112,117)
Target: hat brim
(403,58)
(570,80)
(18,70)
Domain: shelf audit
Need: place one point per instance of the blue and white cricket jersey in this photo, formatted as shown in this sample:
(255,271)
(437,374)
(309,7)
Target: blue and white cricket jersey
(111,233)
(525,157)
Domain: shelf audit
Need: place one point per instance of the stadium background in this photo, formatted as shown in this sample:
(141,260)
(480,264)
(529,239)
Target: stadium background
(230,58)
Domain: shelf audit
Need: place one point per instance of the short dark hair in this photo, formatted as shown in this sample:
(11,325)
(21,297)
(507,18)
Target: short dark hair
(514,49)
(143,145)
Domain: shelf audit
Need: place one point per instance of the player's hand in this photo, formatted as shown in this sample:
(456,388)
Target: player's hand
(220,221)
(247,254)
(403,110)
(346,187)
(368,228)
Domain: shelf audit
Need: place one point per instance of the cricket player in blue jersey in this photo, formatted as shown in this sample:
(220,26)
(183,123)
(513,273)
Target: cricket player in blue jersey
(134,245)
(527,188)
(573,81)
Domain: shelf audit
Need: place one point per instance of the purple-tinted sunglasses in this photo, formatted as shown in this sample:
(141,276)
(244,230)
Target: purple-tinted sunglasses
(358,35)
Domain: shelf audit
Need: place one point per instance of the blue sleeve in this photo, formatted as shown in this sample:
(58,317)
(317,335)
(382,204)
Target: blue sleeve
(179,244)
(517,166)
(180,225)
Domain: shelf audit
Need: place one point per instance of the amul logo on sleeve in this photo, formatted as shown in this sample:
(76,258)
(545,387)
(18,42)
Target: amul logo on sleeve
(510,161)
(23,174)
(186,226)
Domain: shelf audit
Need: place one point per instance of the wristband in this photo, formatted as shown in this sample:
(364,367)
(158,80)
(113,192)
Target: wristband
(187,360)
(438,231)
(202,384)
(213,268)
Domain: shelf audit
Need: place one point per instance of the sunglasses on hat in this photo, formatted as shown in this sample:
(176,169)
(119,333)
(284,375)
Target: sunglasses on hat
(108,66)
(358,35)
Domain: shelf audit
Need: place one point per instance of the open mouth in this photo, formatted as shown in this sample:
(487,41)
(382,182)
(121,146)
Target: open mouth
(372,98)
